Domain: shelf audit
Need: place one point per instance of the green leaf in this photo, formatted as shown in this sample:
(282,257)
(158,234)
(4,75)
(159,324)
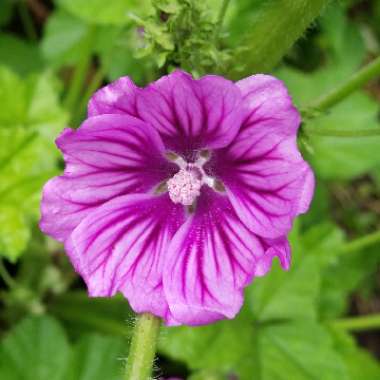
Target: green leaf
(242,14)
(115,12)
(64,38)
(36,348)
(30,119)
(360,363)
(354,270)
(96,357)
(337,157)
(81,313)
(299,351)
(296,294)
(275,28)
(287,295)
(340,34)
(21,56)
(346,157)
(115,47)
(323,241)
(227,346)
(14,232)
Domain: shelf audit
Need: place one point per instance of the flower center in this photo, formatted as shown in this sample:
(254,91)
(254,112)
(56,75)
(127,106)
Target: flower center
(184,187)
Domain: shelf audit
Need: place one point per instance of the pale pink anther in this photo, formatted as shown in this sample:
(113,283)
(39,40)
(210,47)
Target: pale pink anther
(184,187)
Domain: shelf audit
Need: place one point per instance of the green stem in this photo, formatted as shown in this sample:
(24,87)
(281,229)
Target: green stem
(361,323)
(277,26)
(143,348)
(367,73)
(96,81)
(80,73)
(361,243)
(27,20)
(220,19)
(6,276)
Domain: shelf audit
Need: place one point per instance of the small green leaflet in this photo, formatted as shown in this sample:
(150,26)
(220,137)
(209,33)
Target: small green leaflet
(30,119)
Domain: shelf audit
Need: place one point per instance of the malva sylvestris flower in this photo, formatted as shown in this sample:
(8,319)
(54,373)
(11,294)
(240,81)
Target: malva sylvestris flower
(178,194)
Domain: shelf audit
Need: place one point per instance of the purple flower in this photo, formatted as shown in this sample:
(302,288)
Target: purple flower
(180,193)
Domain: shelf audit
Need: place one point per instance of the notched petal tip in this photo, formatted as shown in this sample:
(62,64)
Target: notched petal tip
(279,248)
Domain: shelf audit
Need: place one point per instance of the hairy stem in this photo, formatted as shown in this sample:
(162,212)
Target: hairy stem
(278,25)
(365,322)
(143,348)
(357,80)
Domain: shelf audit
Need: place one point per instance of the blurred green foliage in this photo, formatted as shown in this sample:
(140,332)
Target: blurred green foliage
(288,327)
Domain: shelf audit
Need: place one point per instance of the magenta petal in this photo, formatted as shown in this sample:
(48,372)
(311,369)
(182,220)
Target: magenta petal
(121,245)
(211,258)
(279,248)
(105,158)
(265,176)
(192,114)
(266,180)
(119,97)
(268,105)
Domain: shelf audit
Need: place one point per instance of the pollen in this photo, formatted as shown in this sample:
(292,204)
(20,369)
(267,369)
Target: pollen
(184,187)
